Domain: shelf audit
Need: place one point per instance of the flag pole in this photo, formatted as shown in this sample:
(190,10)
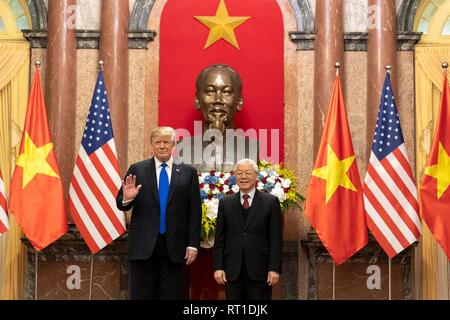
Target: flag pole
(334,280)
(388,70)
(37,63)
(36,258)
(91,274)
(100,65)
(91,278)
(390,278)
(337,65)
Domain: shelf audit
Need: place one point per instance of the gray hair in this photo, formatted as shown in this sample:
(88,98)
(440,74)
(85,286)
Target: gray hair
(247,161)
(163,131)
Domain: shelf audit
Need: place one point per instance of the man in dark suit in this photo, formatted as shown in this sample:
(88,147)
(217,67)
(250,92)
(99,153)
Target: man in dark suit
(164,232)
(248,242)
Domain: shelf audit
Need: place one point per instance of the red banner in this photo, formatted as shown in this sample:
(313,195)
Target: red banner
(259,59)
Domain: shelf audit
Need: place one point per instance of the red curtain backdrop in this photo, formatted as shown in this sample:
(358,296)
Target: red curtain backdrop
(260,62)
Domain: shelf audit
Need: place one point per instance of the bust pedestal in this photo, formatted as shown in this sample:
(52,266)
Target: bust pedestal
(67,270)
(216,154)
(364,276)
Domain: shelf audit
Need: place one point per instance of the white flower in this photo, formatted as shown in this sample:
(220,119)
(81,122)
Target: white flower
(279,193)
(260,185)
(274,174)
(226,188)
(227,175)
(203,176)
(286,183)
(212,207)
(235,188)
(270,180)
(264,173)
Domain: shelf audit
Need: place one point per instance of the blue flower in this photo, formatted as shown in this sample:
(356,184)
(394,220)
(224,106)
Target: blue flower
(268,186)
(203,195)
(232,181)
(211,179)
(220,196)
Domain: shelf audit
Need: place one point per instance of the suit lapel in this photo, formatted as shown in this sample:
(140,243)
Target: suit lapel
(254,208)
(174,179)
(151,174)
(236,203)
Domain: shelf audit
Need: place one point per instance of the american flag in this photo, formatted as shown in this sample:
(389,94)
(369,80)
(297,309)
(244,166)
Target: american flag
(96,180)
(4,225)
(390,194)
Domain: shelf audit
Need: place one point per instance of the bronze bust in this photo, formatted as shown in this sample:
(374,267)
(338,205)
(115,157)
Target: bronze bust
(218,95)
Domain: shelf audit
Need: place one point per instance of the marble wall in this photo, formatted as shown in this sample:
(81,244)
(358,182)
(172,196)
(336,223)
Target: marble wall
(88,13)
(355,13)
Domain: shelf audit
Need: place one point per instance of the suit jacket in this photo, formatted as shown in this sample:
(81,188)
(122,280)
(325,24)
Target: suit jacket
(183,214)
(257,242)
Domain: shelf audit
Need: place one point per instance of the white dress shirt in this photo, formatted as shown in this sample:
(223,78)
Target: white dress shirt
(159,168)
(251,194)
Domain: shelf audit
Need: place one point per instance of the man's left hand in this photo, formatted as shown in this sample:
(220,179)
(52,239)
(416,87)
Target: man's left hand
(191,254)
(272,278)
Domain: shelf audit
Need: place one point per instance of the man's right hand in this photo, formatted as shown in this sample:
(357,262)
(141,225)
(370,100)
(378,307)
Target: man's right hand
(220,277)
(130,191)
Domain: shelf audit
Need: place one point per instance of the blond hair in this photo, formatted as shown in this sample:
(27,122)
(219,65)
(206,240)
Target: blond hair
(163,131)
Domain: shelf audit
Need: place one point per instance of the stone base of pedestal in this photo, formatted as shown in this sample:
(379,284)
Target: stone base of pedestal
(202,285)
(67,270)
(365,276)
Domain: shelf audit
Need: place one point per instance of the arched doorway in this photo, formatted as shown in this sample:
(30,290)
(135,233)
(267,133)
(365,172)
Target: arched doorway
(433,20)
(14,78)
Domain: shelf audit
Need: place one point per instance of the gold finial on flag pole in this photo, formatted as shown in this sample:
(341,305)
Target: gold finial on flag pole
(445,66)
(389,68)
(100,65)
(37,64)
(337,65)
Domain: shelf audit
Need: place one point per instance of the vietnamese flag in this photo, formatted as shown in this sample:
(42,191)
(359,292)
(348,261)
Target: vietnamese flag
(434,191)
(334,203)
(36,196)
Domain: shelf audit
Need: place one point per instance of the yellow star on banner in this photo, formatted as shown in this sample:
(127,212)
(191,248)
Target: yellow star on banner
(34,161)
(222,26)
(440,171)
(335,173)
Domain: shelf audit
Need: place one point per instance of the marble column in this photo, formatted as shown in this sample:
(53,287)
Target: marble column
(329,49)
(382,51)
(61,80)
(114,53)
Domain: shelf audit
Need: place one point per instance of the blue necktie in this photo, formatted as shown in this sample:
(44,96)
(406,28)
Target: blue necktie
(163,194)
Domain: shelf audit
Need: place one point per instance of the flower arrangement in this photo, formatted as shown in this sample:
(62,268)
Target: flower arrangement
(274,179)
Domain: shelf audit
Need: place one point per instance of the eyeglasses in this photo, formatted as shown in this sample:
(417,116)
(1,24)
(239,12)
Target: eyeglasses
(246,173)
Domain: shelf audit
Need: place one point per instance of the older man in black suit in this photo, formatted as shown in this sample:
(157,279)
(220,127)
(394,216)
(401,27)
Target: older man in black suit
(164,232)
(248,242)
